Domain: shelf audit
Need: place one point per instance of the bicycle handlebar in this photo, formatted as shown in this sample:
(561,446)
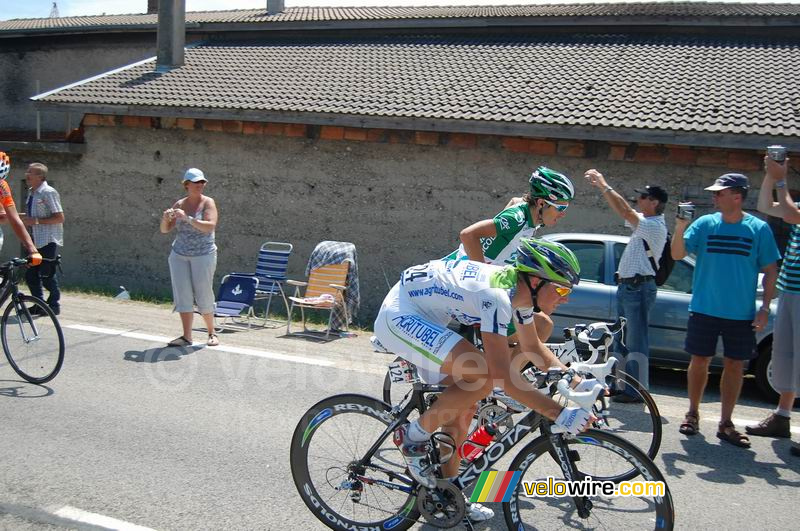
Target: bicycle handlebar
(585,399)
(600,371)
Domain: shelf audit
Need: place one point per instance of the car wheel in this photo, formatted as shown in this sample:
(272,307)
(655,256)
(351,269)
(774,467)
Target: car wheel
(763,373)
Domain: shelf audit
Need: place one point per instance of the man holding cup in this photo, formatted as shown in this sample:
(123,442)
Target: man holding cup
(732,247)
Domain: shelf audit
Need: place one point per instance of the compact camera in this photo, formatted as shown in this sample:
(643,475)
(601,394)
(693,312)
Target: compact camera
(777,153)
(686,211)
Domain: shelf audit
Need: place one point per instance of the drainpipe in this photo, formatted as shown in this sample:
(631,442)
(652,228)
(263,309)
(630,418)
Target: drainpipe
(274,7)
(171,34)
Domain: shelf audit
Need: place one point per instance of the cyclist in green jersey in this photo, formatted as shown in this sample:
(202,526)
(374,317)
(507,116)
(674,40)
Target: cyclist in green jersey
(495,240)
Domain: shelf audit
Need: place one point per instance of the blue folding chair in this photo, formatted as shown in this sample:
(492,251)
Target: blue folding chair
(235,300)
(271,268)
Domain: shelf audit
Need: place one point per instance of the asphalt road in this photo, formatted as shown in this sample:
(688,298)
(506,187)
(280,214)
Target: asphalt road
(131,434)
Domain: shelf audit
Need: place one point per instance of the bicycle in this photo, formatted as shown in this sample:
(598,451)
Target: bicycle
(351,476)
(29,330)
(638,423)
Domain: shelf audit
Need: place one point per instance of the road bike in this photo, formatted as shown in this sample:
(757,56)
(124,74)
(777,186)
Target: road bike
(350,475)
(29,330)
(639,423)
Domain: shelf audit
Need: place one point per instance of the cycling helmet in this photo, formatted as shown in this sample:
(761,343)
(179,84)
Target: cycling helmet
(551,185)
(5,165)
(548,260)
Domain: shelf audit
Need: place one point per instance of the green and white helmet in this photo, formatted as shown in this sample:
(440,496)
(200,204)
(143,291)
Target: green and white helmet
(551,261)
(551,185)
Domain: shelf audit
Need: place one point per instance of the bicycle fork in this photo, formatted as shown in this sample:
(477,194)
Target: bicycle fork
(566,460)
(24,315)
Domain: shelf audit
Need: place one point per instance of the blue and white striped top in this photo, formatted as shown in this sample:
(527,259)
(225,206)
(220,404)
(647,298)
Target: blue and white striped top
(789,277)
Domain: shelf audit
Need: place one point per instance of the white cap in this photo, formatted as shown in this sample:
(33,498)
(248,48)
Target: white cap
(194,175)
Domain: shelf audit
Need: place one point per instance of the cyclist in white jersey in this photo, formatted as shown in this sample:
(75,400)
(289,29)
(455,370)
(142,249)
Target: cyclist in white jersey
(495,240)
(412,323)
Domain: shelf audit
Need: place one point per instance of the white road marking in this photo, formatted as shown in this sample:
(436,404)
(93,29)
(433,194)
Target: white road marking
(290,358)
(223,348)
(85,517)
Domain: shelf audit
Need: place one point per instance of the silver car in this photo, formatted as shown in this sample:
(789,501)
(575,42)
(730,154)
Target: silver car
(595,299)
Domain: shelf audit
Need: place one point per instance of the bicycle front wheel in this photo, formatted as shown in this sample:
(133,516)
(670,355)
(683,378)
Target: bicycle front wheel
(32,339)
(595,454)
(327,446)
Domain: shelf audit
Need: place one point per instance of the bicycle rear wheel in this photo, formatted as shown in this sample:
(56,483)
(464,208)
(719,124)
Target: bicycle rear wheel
(326,446)
(32,339)
(594,454)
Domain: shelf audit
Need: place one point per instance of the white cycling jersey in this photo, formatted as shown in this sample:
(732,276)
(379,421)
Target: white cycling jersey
(412,321)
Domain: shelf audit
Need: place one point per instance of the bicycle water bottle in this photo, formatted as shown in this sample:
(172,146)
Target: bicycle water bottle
(478,442)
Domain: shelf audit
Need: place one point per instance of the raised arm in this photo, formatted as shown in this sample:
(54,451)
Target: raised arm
(787,209)
(617,203)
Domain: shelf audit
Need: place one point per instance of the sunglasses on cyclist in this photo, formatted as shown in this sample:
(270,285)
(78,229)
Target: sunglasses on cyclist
(561,207)
(563,291)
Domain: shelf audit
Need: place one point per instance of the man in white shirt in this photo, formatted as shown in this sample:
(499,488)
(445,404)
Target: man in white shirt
(636,292)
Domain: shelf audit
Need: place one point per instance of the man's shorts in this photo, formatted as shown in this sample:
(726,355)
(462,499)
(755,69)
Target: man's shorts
(403,330)
(738,337)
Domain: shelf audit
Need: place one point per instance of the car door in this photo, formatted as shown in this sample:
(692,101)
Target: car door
(670,313)
(590,301)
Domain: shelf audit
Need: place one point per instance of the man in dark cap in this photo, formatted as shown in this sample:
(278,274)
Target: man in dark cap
(636,292)
(732,247)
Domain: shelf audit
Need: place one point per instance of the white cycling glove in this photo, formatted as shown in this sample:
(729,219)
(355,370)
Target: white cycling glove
(573,419)
(587,385)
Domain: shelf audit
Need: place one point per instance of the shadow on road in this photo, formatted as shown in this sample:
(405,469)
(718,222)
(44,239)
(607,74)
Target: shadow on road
(727,464)
(156,355)
(23,389)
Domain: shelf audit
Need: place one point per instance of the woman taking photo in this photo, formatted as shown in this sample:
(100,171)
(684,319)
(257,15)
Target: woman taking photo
(193,259)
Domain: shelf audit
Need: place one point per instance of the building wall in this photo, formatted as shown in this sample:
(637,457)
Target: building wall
(401,196)
(56,61)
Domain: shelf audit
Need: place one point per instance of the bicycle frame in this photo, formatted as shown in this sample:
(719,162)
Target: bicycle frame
(530,422)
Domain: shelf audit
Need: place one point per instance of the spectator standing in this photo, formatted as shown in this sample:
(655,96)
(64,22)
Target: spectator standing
(731,247)
(9,214)
(786,337)
(45,217)
(193,259)
(636,290)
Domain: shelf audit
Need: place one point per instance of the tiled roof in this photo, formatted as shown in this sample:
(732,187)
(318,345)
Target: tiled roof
(667,84)
(674,11)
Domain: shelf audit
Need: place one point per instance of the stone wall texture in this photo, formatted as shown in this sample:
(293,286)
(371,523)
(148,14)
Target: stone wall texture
(401,196)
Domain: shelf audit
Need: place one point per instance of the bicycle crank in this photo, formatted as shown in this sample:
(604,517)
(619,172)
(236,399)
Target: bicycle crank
(442,506)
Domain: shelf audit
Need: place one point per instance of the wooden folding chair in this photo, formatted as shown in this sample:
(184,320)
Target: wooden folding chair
(324,290)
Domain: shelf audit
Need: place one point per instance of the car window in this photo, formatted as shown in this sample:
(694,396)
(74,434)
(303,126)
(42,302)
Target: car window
(591,258)
(619,248)
(680,279)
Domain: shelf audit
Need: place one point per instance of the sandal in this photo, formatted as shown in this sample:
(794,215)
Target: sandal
(690,424)
(727,432)
(213,340)
(179,342)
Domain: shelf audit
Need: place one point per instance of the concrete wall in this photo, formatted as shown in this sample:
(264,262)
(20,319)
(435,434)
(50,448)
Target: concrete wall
(401,204)
(55,62)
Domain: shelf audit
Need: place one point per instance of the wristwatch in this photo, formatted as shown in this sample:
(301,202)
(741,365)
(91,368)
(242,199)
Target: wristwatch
(764,309)
(607,189)
(780,184)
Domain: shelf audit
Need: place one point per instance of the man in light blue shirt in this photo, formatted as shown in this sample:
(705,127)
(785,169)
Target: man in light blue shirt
(732,247)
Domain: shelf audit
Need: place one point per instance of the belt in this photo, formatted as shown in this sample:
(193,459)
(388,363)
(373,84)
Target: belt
(635,279)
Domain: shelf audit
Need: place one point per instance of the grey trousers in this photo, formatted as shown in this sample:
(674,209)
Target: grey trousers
(786,344)
(192,281)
